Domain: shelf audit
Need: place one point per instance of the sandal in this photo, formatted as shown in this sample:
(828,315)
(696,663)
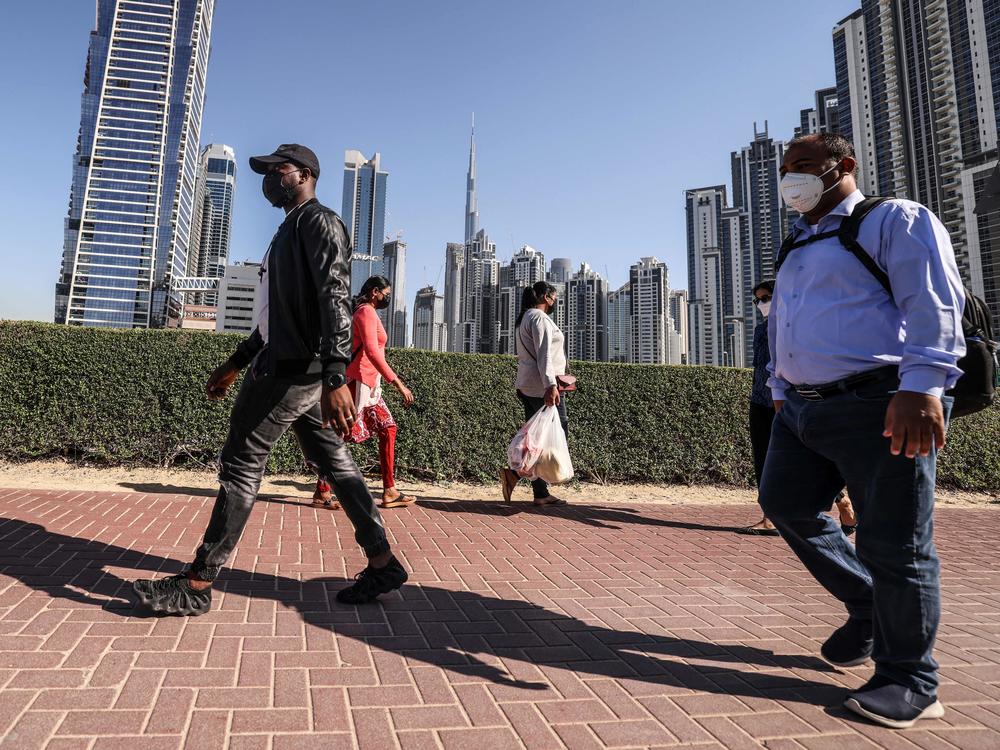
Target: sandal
(323,497)
(755,531)
(549,501)
(399,502)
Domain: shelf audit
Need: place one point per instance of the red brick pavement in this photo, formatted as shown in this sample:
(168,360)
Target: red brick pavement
(580,627)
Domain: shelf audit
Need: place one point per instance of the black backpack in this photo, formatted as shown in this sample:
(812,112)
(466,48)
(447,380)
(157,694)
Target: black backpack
(976,388)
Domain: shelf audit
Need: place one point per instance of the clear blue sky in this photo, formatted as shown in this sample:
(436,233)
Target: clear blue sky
(591,117)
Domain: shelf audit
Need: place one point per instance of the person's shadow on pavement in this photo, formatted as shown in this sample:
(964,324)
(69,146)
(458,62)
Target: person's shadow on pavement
(434,625)
(598,516)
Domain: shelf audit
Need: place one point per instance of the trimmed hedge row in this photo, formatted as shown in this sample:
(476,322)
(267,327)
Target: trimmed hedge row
(135,398)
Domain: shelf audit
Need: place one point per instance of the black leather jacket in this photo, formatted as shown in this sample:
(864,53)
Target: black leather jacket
(309,298)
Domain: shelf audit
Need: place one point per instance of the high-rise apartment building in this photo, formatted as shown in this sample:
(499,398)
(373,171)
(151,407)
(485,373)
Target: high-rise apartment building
(679,319)
(394,316)
(560,270)
(709,273)
(766,220)
(823,116)
(128,231)
(454,275)
(620,324)
(429,329)
(525,268)
(587,315)
(919,94)
(479,327)
(363,212)
(237,308)
(649,287)
(213,218)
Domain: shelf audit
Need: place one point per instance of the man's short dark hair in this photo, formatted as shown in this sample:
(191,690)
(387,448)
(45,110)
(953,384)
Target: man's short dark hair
(836,145)
(766,284)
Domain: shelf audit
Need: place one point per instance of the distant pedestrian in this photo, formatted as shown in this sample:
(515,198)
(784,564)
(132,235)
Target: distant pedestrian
(762,416)
(541,362)
(365,375)
(865,336)
(297,353)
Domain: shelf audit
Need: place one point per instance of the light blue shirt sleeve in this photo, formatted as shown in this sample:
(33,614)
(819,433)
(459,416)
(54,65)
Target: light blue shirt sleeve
(777,385)
(927,289)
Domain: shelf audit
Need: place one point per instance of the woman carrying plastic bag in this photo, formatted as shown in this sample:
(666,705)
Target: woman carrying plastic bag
(542,383)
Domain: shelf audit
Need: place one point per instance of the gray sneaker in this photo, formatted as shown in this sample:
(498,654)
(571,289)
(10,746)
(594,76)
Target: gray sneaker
(173,596)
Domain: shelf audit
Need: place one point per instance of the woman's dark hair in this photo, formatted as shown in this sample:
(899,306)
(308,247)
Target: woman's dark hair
(375,283)
(533,295)
(765,284)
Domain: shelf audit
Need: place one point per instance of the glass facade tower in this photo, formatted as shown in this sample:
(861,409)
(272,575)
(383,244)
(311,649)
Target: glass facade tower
(213,218)
(364,214)
(132,200)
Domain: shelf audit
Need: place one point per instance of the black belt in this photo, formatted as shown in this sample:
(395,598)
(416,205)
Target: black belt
(820,392)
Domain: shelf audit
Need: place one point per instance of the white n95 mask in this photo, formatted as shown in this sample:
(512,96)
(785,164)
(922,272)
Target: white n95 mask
(765,308)
(803,191)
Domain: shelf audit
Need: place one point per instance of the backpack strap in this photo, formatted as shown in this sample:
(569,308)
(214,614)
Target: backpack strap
(848,234)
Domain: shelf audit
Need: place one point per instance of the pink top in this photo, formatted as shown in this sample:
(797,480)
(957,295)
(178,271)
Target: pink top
(370,338)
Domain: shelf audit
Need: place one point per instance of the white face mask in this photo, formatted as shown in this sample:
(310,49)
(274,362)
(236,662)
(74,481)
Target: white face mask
(764,307)
(803,191)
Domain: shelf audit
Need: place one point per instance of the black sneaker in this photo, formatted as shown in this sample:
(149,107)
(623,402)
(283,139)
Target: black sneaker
(173,595)
(892,705)
(371,582)
(850,645)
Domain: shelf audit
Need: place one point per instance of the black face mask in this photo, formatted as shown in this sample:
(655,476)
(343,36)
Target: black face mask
(277,194)
(382,304)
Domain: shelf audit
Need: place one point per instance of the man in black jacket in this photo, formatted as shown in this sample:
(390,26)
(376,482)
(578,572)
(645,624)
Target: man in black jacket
(297,354)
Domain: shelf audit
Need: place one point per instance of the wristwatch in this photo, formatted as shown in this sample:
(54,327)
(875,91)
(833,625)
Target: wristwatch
(334,381)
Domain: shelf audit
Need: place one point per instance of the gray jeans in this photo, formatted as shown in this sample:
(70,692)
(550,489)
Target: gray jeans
(264,410)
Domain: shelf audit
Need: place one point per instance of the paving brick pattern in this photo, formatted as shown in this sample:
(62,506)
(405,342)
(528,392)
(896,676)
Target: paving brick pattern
(580,627)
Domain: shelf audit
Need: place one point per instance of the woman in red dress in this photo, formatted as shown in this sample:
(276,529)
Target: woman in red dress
(366,374)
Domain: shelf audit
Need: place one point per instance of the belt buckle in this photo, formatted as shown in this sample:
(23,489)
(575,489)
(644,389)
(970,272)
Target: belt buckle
(809,394)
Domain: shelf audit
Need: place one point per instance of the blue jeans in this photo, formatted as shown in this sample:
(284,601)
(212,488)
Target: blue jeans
(892,577)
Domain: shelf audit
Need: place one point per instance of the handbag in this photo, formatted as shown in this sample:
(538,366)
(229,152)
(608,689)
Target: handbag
(566,383)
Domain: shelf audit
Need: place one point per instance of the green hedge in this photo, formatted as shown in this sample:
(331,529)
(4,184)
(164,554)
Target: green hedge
(135,398)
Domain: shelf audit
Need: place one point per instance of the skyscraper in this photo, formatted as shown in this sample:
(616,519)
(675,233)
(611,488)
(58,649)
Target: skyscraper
(429,329)
(823,116)
(767,220)
(620,324)
(869,101)
(128,230)
(649,287)
(679,319)
(454,276)
(919,83)
(587,315)
(471,203)
(561,270)
(394,316)
(213,213)
(709,273)
(363,212)
(525,268)
(479,328)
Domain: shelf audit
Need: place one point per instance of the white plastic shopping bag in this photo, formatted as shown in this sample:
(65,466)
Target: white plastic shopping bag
(539,449)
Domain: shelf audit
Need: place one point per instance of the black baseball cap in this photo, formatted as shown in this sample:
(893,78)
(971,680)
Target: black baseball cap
(286,152)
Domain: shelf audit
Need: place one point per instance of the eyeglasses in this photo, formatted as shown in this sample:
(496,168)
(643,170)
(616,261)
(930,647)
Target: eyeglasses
(758,300)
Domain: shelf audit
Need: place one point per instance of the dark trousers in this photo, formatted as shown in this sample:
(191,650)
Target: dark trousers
(539,487)
(264,410)
(892,576)
(761,418)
